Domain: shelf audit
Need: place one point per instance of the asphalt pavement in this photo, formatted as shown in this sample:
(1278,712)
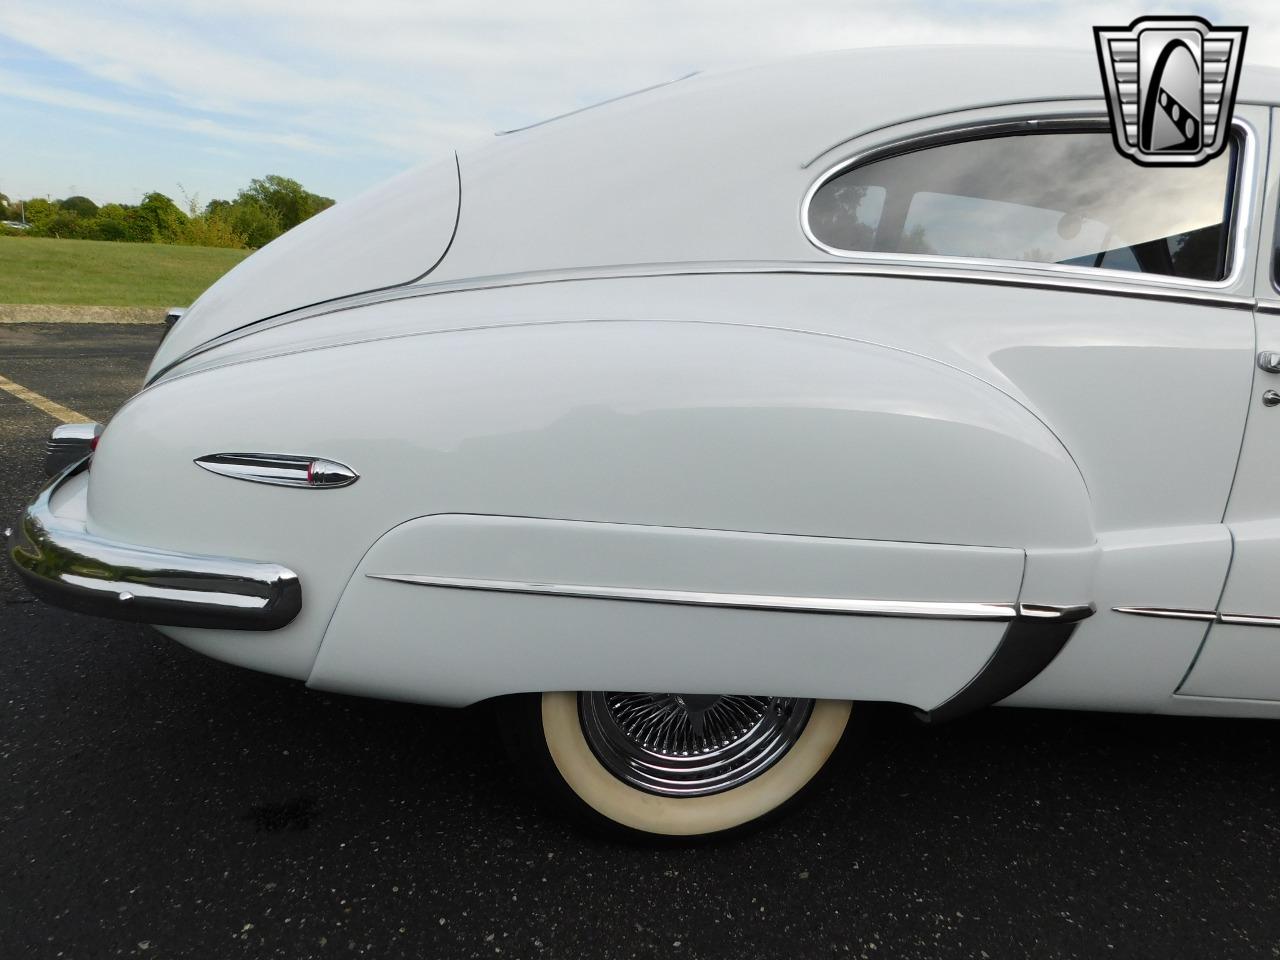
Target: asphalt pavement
(154,803)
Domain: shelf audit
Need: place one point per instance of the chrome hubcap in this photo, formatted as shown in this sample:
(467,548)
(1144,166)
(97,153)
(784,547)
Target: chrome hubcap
(689,745)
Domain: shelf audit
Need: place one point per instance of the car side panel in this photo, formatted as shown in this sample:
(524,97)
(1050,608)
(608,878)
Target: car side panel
(656,423)
(447,645)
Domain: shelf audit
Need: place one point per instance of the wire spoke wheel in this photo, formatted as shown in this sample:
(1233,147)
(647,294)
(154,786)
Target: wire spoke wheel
(690,745)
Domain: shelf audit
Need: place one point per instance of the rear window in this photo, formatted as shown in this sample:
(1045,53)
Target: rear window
(1061,198)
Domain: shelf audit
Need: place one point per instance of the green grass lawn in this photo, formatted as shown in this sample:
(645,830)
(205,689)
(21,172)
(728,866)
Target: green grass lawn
(100,273)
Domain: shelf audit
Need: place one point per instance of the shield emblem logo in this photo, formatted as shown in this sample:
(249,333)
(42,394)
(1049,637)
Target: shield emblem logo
(1171,87)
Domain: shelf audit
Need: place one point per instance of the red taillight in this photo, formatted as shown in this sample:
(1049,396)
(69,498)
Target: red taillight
(93,444)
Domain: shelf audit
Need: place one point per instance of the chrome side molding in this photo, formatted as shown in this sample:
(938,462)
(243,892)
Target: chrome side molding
(914,609)
(1168,613)
(280,470)
(1207,616)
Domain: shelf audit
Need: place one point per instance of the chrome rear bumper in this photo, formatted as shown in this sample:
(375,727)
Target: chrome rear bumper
(62,563)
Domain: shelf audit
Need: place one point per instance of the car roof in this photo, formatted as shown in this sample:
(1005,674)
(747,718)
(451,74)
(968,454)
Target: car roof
(868,88)
(712,167)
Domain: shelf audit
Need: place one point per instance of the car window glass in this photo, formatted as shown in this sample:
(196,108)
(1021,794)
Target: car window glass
(850,214)
(996,229)
(1064,198)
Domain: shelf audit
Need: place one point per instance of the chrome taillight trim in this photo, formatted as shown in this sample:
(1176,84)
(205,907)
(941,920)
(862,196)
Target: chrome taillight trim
(280,470)
(69,443)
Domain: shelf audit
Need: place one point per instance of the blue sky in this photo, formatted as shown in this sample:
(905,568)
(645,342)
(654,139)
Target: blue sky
(113,98)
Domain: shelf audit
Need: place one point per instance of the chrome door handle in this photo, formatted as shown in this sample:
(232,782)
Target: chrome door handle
(1269,360)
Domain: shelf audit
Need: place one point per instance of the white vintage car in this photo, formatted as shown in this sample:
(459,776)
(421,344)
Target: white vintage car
(871,376)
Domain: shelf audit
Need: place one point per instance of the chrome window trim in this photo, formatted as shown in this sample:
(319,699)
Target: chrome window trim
(1070,106)
(1237,227)
(912,609)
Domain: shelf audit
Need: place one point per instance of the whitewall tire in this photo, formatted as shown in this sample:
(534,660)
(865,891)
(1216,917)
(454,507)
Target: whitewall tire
(673,765)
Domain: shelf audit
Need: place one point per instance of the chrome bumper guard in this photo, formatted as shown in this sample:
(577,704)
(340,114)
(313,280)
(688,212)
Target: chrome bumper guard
(64,564)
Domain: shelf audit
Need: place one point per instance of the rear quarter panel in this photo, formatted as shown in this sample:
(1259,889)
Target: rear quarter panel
(647,423)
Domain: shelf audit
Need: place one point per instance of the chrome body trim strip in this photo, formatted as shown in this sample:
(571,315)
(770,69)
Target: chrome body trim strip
(1051,613)
(1116,283)
(1165,613)
(63,563)
(913,609)
(280,470)
(1248,620)
(1207,616)
(1113,283)
(1241,206)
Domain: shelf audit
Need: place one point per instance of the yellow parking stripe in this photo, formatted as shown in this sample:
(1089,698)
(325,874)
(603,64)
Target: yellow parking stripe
(55,410)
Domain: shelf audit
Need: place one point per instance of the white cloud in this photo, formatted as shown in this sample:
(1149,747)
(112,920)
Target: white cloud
(398,80)
(19,88)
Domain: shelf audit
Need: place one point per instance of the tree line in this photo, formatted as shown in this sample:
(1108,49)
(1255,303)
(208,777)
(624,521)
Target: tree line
(259,213)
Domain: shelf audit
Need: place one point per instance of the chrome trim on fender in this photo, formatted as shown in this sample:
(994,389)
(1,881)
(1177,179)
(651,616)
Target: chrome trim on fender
(1235,619)
(1112,283)
(66,565)
(1248,620)
(280,470)
(1241,205)
(1051,613)
(1166,613)
(915,609)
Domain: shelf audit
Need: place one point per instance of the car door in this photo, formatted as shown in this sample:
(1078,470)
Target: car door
(1135,355)
(1240,658)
